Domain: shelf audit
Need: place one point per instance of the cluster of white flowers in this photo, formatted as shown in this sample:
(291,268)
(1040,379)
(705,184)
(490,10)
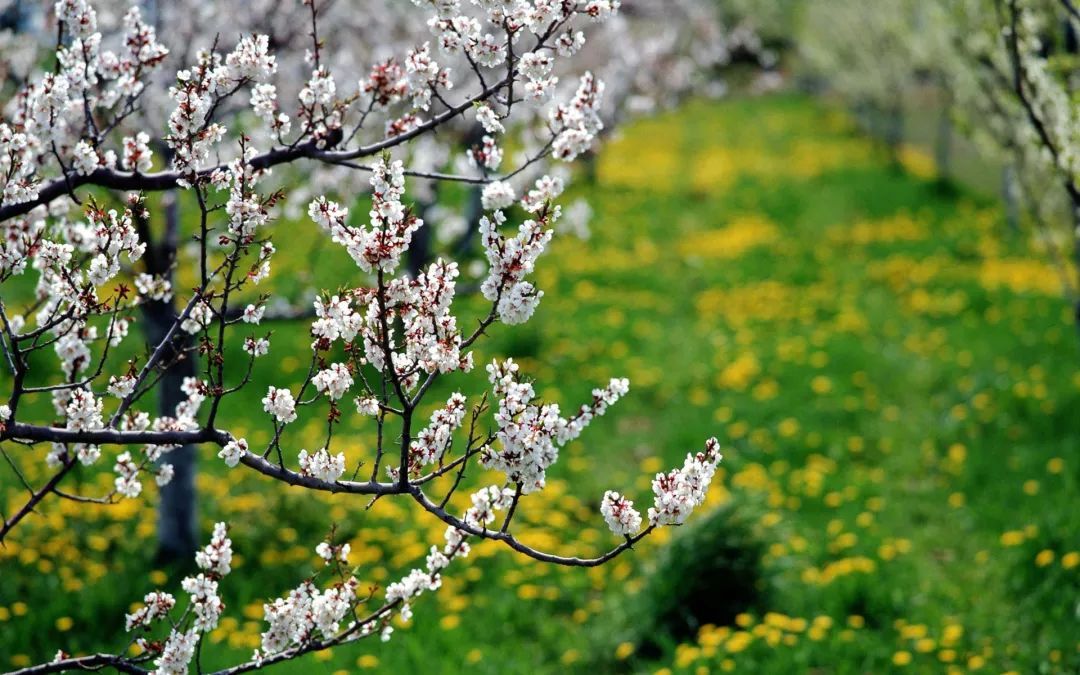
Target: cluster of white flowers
(16,167)
(509,261)
(319,109)
(392,226)
(205,607)
(50,112)
(122,387)
(432,342)
(84,158)
(205,601)
(432,339)
(84,410)
(127,482)
(256,346)
(192,136)
(530,433)
(264,103)
(155,605)
(281,404)
(367,405)
(137,153)
(462,33)
(233,452)
(577,123)
(246,209)
(329,552)
(488,155)
(322,465)
(89,454)
(73,350)
(423,75)
(177,653)
(254,313)
(336,319)
(619,514)
(21,236)
(680,491)
(536,67)
(305,614)
(333,381)
(153,287)
(251,60)
(498,194)
(488,119)
(547,189)
(386,83)
(434,440)
(216,557)
(198,318)
(111,235)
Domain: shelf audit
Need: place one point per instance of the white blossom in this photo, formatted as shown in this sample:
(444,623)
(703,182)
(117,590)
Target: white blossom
(619,514)
(680,491)
(333,381)
(322,465)
(233,451)
(281,404)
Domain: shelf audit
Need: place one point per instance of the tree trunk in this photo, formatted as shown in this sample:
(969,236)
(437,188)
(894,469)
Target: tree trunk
(943,141)
(419,254)
(474,210)
(177,510)
(1076,266)
(894,131)
(1009,195)
(590,167)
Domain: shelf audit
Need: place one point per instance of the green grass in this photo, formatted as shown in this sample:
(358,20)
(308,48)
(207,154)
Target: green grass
(891,371)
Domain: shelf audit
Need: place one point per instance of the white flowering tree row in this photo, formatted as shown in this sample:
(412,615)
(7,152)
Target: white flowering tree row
(1009,82)
(379,343)
(1046,138)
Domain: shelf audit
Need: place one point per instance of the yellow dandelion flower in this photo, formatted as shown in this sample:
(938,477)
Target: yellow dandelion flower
(368,661)
(1012,538)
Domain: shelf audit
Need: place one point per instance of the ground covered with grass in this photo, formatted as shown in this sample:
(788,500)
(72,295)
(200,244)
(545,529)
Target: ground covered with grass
(893,373)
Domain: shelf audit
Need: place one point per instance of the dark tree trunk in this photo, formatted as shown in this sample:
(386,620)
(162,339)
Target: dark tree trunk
(177,510)
(421,250)
(474,210)
(177,522)
(419,254)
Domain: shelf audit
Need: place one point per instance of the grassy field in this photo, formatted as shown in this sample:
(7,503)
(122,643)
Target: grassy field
(894,376)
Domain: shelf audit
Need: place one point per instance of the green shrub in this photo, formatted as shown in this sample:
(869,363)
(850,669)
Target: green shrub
(709,573)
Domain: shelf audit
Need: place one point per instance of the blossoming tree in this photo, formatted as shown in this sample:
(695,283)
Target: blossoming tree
(869,52)
(1007,70)
(1033,94)
(83,135)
